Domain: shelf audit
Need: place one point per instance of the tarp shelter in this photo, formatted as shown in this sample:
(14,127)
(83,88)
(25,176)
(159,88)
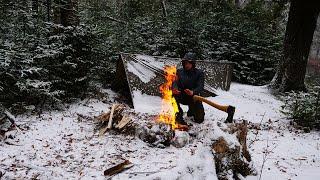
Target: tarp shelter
(136,72)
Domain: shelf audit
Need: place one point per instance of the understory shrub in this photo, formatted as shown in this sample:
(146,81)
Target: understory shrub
(303,108)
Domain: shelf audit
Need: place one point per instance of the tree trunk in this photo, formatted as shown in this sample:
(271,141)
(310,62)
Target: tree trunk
(164,9)
(237,3)
(35,8)
(298,38)
(66,12)
(48,4)
(57,11)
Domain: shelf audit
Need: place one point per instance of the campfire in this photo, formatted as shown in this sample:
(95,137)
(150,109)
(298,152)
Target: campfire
(169,106)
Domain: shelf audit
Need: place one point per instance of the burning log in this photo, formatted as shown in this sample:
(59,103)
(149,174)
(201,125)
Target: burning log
(169,106)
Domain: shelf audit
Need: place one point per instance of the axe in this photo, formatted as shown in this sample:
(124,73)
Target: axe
(228,109)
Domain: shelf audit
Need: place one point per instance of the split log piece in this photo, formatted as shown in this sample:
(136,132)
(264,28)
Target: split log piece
(103,130)
(103,117)
(111,116)
(123,122)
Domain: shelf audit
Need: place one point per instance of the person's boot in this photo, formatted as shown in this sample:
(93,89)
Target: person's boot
(230,112)
(179,119)
(190,114)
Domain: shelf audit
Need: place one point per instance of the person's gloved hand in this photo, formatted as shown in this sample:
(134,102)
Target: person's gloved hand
(176,91)
(189,92)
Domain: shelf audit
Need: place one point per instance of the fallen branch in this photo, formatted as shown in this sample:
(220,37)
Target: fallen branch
(118,168)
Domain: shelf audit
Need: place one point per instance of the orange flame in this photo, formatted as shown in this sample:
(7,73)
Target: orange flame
(169,106)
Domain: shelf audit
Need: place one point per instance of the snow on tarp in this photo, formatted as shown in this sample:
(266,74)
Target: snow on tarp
(142,75)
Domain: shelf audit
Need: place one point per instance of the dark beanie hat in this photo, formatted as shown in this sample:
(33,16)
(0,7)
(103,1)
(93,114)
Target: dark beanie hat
(191,57)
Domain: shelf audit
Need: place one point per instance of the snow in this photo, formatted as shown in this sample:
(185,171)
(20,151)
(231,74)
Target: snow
(140,71)
(145,74)
(144,103)
(138,67)
(251,102)
(62,145)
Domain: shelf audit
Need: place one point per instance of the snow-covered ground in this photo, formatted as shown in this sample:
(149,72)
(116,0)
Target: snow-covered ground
(63,145)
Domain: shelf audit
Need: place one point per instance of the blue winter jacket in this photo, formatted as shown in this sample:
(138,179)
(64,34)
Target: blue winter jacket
(192,79)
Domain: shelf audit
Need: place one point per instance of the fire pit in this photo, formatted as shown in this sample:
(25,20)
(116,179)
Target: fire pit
(157,130)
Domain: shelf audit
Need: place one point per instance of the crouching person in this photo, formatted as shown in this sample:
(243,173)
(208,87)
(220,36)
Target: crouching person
(189,82)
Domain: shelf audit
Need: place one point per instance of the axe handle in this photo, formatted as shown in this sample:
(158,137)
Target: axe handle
(211,103)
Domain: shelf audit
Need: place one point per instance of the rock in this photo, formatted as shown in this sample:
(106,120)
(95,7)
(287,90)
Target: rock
(180,139)
(158,135)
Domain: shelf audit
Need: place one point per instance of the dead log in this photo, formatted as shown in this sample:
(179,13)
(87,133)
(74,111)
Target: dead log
(242,138)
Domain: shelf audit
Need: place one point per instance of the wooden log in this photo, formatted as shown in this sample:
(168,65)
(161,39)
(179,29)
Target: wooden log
(118,113)
(102,131)
(109,126)
(103,117)
(111,117)
(123,122)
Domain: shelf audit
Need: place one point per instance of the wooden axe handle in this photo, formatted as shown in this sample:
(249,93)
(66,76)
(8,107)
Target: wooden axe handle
(211,103)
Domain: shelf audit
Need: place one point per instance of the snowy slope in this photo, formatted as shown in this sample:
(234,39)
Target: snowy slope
(62,145)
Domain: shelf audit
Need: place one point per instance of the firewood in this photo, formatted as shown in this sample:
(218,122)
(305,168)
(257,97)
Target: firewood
(114,116)
(106,116)
(111,116)
(103,117)
(123,122)
(102,131)
(118,113)
(118,168)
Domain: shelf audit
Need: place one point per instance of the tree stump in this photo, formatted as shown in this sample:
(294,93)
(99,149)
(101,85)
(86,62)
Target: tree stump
(232,159)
